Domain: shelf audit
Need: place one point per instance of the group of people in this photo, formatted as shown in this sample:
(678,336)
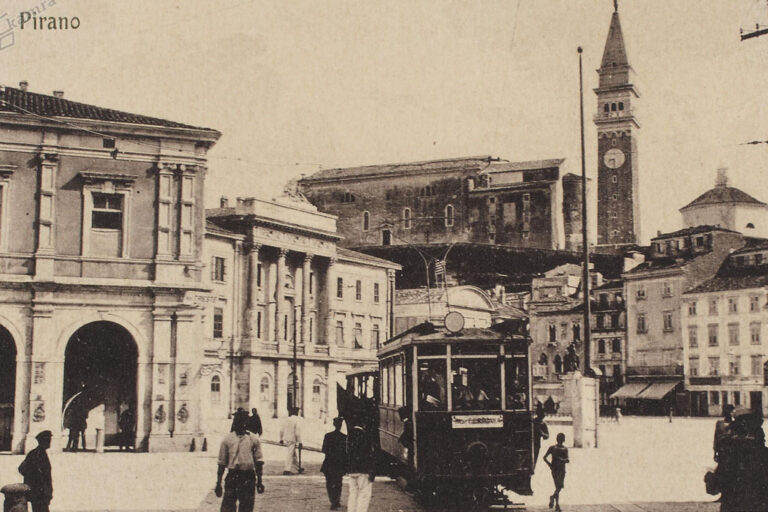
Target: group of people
(741,476)
(78,423)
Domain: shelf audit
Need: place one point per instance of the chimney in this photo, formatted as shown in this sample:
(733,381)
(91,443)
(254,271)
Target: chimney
(223,202)
(722,177)
(23,85)
(58,94)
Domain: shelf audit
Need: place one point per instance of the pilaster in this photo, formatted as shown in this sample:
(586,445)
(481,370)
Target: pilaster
(306,301)
(279,298)
(46,213)
(330,299)
(281,387)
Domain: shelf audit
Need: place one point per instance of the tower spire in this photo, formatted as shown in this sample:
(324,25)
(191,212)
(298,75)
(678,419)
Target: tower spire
(615,5)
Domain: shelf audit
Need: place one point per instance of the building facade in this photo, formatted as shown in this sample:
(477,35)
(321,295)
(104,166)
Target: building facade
(618,208)
(653,293)
(609,337)
(724,325)
(477,199)
(101,233)
(298,293)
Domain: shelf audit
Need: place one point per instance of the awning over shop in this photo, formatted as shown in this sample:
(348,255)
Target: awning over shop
(657,390)
(630,390)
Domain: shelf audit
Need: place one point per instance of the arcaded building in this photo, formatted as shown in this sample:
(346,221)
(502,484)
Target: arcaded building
(101,233)
(284,294)
(474,199)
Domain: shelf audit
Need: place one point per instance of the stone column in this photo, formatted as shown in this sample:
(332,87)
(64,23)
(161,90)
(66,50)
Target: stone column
(184,410)
(253,293)
(305,302)
(279,297)
(47,377)
(281,387)
(332,406)
(161,381)
(330,298)
(581,394)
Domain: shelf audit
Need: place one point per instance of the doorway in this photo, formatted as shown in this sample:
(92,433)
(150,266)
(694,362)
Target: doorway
(7,387)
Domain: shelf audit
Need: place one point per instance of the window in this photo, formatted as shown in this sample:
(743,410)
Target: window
(614,179)
(285,327)
(614,197)
(712,334)
(601,346)
(215,388)
(714,397)
(613,107)
(358,290)
(576,328)
(734,366)
(449,215)
(754,303)
(376,293)
(616,345)
(733,305)
(600,321)
(552,333)
(366,221)
(758,259)
(668,321)
(386,237)
(692,308)
(311,334)
(667,289)
(558,364)
(621,105)
(432,389)
(108,143)
(754,333)
(406,218)
(641,326)
(756,365)
(358,335)
(737,397)
(714,366)
(733,334)
(258,324)
(693,336)
(375,336)
(107,211)
(218,269)
(640,292)
(339,287)
(218,322)
(712,307)
(311,283)
(616,371)
(347,197)
(340,333)
(259,271)
(693,366)
(606,108)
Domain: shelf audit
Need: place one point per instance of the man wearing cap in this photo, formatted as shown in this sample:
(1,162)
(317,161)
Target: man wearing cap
(240,454)
(335,462)
(36,469)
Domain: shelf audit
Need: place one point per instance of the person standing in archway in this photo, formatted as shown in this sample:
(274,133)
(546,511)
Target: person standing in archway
(36,469)
(126,423)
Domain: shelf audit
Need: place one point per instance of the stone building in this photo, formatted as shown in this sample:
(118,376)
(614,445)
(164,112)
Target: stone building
(618,207)
(724,329)
(727,207)
(475,199)
(101,233)
(653,292)
(609,337)
(294,290)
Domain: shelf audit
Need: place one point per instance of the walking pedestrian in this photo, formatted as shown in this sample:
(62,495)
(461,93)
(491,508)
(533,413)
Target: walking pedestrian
(36,469)
(290,435)
(558,458)
(335,462)
(540,431)
(361,469)
(254,423)
(240,454)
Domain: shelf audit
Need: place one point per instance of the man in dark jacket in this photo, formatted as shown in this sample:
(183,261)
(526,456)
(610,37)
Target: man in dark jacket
(36,469)
(254,423)
(362,445)
(335,463)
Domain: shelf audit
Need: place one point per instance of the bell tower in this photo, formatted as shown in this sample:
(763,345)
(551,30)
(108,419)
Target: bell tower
(618,220)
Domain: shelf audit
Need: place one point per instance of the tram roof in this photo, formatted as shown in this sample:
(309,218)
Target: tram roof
(363,370)
(428,333)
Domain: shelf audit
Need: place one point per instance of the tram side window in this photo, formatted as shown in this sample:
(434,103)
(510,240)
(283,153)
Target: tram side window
(432,385)
(391,379)
(384,382)
(476,384)
(398,382)
(516,380)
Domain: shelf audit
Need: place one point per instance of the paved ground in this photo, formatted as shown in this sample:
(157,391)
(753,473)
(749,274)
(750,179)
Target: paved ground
(642,465)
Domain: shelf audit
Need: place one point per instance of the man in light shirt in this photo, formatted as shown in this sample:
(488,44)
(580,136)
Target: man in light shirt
(240,454)
(290,435)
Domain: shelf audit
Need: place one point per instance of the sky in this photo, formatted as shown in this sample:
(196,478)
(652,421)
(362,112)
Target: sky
(309,84)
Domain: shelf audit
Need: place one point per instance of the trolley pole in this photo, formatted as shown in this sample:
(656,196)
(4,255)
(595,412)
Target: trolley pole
(585,242)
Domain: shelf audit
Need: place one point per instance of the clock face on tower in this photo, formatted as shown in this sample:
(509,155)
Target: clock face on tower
(614,158)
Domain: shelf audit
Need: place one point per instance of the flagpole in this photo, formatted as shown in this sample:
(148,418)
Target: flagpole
(585,241)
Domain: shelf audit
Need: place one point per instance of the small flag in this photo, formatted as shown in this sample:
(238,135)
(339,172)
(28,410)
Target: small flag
(439,267)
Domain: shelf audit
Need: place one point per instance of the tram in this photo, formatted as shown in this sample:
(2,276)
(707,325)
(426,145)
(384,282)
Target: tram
(454,408)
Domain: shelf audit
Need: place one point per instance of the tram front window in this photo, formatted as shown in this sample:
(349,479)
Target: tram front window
(475,384)
(432,385)
(516,380)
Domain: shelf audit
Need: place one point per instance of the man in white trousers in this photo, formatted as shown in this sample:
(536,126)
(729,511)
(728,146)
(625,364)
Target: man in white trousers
(290,435)
(361,450)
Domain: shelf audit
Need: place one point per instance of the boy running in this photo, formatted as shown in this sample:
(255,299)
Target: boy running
(558,458)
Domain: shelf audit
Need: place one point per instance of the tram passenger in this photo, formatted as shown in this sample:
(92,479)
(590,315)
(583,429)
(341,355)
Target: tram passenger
(432,389)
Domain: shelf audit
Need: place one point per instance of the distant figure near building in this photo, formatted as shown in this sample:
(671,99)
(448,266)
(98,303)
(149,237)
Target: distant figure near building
(290,435)
(254,423)
(36,469)
(240,454)
(127,424)
(540,431)
(361,452)
(335,462)
(558,458)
